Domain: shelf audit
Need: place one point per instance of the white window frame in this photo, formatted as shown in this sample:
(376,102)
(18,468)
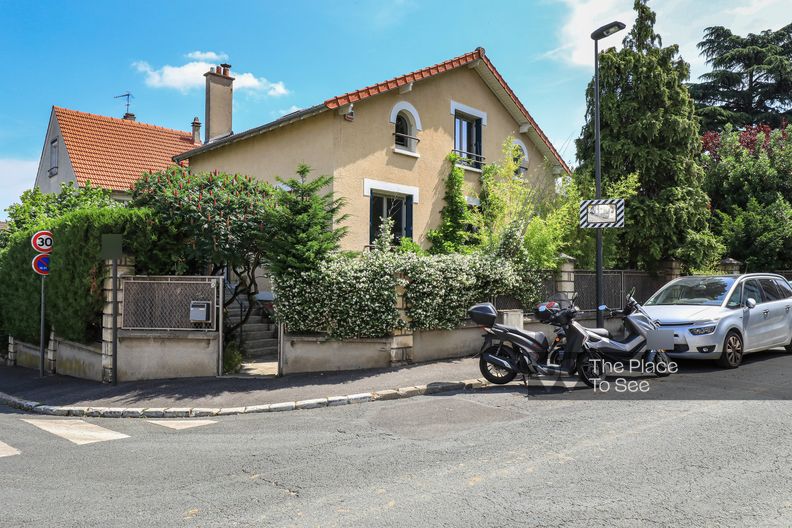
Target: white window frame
(523,168)
(469,110)
(414,125)
(388,187)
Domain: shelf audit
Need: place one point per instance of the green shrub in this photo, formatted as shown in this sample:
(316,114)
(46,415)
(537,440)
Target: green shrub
(356,298)
(74,286)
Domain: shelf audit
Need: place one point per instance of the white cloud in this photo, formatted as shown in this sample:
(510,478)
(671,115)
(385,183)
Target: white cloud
(18,176)
(206,56)
(678,22)
(191,75)
(290,110)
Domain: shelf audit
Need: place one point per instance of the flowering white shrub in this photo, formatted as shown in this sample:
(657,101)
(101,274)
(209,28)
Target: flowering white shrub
(356,297)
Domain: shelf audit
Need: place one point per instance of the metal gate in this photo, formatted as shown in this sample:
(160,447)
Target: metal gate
(163,303)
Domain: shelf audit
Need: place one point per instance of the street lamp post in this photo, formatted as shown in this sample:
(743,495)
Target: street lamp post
(604,31)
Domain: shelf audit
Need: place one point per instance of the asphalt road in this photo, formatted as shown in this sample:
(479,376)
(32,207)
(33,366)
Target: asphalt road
(495,457)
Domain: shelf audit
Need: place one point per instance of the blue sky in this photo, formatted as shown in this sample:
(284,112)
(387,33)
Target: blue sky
(289,55)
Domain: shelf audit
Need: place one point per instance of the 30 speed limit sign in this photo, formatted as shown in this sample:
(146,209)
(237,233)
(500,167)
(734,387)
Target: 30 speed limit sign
(42,241)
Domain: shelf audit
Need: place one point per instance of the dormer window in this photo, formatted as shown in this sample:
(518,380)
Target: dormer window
(406,125)
(53,155)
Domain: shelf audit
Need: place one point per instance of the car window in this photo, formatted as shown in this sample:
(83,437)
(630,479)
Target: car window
(753,291)
(784,288)
(770,290)
(704,291)
(735,301)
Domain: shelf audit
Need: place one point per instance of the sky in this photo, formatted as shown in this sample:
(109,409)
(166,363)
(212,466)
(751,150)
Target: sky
(291,55)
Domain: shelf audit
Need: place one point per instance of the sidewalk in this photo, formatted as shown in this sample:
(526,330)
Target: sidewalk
(218,396)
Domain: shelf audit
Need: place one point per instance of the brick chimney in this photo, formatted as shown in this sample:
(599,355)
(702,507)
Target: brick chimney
(219,96)
(196,131)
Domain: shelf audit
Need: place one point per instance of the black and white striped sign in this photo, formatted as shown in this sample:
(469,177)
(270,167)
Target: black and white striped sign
(606,212)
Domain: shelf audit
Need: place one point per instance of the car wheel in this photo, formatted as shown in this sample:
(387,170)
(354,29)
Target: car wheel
(788,347)
(732,354)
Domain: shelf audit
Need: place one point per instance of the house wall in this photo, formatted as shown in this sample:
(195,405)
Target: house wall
(277,152)
(65,174)
(363,149)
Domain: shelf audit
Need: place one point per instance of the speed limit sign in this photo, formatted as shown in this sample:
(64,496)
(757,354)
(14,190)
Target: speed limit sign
(42,241)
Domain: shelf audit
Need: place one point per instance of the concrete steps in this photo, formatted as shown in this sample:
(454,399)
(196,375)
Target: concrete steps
(259,333)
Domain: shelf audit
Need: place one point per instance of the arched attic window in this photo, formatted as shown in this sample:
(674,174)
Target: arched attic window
(522,159)
(406,124)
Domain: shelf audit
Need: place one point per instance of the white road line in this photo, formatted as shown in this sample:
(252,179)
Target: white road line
(182,424)
(77,431)
(6,450)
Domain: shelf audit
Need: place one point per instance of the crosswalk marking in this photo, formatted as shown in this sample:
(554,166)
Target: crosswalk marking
(6,450)
(182,424)
(77,431)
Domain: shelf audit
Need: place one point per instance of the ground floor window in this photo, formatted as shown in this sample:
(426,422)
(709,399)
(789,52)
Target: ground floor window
(396,207)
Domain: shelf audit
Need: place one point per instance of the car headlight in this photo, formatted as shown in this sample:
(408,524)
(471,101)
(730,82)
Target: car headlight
(703,330)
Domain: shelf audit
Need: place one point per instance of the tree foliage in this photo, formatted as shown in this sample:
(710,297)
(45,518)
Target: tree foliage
(649,129)
(37,208)
(454,235)
(300,227)
(750,81)
(749,177)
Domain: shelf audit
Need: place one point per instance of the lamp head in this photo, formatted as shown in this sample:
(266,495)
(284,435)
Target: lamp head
(607,30)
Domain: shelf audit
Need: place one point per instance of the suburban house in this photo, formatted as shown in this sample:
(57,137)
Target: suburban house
(108,152)
(387,144)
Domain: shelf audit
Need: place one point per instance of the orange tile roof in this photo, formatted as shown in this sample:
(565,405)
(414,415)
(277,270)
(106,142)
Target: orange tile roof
(113,153)
(462,60)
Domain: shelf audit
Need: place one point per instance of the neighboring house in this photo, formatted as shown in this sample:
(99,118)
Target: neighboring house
(386,145)
(106,151)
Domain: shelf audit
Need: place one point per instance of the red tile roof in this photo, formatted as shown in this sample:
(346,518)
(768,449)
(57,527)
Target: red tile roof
(462,60)
(113,153)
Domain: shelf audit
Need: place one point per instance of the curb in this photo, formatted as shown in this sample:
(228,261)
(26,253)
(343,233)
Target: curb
(191,412)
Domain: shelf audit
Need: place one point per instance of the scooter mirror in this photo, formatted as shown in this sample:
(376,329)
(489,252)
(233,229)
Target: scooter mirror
(602,308)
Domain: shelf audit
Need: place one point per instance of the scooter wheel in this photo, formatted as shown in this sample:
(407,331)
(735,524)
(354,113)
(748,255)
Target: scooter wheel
(493,373)
(665,370)
(589,370)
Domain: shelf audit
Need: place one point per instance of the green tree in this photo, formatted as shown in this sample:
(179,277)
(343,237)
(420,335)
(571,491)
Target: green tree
(300,225)
(204,223)
(750,81)
(454,235)
(649,128)
(35,208)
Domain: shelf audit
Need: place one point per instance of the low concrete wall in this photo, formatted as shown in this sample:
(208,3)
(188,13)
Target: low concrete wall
(317,354)
(160,355)
(431,345)
(27,355)
(78,360)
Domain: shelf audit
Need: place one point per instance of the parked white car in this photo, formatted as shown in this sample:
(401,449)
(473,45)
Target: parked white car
(725,317)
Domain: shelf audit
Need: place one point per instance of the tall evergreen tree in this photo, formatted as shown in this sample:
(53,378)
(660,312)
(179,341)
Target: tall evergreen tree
(750,81)
(649,128)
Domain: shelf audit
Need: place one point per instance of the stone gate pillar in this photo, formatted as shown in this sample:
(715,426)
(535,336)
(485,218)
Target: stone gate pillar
(126,266)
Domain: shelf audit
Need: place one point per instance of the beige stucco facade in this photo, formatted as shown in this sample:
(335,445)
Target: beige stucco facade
(45,180)
(360,153)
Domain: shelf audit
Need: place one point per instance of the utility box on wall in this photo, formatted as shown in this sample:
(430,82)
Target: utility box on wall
(199,312)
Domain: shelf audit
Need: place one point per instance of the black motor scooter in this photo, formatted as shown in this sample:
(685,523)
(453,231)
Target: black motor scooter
(508,351)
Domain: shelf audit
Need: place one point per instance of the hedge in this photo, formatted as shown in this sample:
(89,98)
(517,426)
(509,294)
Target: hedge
(74,286)
(356,297)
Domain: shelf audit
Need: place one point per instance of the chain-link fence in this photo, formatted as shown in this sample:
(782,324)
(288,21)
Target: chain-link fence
(163,303)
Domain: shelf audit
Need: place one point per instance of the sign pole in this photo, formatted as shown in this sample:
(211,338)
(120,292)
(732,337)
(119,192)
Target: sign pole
(115,321)
(41,331)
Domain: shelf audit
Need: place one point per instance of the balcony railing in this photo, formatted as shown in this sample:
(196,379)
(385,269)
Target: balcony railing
(405,141)
(471,159)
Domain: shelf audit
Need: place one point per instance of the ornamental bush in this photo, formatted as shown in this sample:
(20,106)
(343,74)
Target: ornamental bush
(356,297)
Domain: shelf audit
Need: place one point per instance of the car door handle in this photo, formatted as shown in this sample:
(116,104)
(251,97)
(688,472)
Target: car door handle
(787,308)
(765,313)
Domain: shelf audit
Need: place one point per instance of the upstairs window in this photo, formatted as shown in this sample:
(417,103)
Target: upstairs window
(467,139)
(521,160)
(404,136)
(53,155)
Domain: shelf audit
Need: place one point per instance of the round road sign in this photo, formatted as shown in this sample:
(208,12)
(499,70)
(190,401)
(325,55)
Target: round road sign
(41,264)
(42,241)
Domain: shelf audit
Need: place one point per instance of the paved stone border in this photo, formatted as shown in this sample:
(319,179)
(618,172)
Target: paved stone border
(190,412)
